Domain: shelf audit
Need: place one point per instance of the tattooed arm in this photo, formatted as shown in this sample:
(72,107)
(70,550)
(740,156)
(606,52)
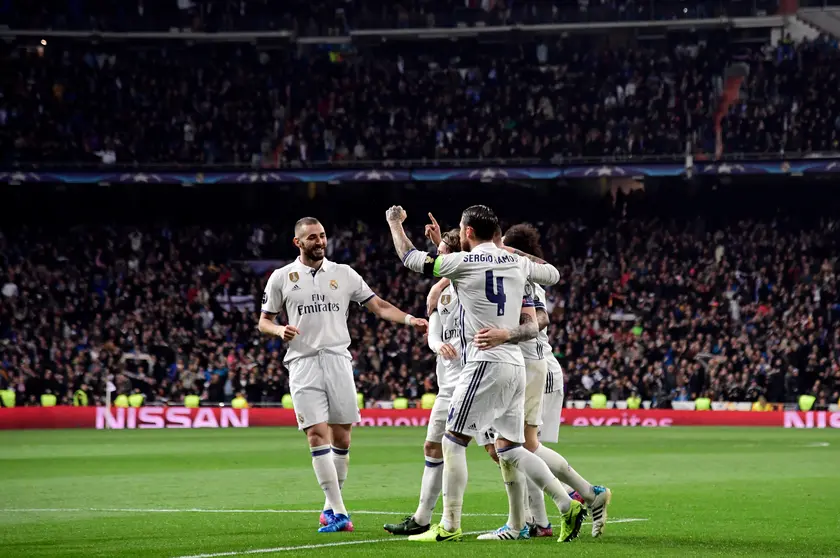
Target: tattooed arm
(488,338)
(395,217)
(522,254)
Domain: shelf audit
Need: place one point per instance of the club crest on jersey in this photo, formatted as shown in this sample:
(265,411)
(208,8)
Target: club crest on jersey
(334,284)
(446,299)
(293,277)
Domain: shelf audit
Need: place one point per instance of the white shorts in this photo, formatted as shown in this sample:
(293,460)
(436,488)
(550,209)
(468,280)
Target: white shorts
(323,390)
(437,420)
(535,373)
(486,437)
(489,394)
(552,409)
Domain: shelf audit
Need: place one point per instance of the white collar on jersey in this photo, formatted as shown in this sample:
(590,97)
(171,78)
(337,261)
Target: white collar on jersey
(326,265)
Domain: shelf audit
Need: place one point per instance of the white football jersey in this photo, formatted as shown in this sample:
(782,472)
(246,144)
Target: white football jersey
(491,285)
(554,379)
(448,371)
(317,303)
(531,349)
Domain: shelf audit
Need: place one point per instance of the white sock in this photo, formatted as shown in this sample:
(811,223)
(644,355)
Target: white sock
(429,490)
(324,466)
(536,470)
(454,481)
(563,471)
(517,491)
(341,458)
(536,501)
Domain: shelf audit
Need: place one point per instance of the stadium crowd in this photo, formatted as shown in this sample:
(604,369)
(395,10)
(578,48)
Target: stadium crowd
(668,310)
(230,103)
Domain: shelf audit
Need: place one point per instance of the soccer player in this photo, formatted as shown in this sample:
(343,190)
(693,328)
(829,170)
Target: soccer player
(524,239)
(316,295)
(519,514)
(490,392)
(445,341)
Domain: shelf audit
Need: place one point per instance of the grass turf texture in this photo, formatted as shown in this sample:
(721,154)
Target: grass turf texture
(709,491)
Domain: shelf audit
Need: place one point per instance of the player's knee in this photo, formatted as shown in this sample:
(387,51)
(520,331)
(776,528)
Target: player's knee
(318,435)
(340,434)
(455,439)
(433,449)
(532,438)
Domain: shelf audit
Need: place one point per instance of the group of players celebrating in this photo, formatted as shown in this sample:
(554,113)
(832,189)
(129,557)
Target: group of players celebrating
(498,380)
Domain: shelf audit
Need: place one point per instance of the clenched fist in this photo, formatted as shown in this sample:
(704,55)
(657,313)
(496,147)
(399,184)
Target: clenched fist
(395,214)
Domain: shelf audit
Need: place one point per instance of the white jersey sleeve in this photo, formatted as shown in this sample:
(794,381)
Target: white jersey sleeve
(445,265)
(360,291)
(541,274)
(435,332)
(272,300)
(449,329)
(530,348)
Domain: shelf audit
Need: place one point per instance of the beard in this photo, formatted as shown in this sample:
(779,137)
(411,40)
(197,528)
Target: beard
(314,254)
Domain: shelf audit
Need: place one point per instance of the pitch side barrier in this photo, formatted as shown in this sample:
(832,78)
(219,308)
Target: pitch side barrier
(100,418)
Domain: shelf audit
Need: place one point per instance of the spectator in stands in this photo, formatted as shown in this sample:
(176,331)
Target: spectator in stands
(223,103)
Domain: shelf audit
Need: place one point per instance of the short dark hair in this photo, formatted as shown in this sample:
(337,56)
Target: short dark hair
(482,220)
(524,237)
(305,221)
(452,239)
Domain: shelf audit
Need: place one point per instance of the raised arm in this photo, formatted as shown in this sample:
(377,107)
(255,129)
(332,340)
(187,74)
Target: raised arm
(395,217)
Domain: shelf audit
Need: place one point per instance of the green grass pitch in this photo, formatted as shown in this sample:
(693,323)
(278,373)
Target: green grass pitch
(178,493)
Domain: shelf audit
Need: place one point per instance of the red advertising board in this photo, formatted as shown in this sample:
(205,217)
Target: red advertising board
(226,417)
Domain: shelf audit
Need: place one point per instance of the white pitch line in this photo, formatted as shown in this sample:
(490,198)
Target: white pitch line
(267,550)
(301,547)
(345,543)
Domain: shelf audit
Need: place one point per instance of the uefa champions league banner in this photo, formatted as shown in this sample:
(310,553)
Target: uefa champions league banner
(22,418)
(816,164)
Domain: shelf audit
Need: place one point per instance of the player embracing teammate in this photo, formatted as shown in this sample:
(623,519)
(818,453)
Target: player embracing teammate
(491,283)
(488,276)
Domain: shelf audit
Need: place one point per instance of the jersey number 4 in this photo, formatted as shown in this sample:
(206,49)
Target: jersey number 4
(495,291)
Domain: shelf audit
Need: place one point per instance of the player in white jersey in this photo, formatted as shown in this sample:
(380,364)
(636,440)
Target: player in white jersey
(517,525)
(445,341)
(553,398)
(490,392)
(525,238)
(316,294)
